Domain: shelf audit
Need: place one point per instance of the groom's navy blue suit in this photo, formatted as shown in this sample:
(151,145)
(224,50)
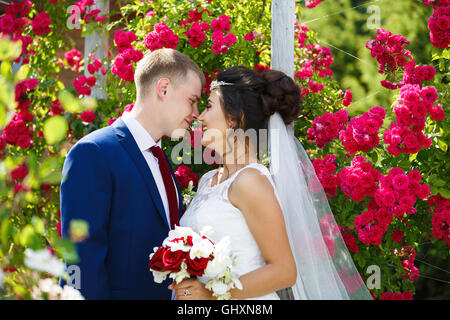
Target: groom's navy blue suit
(107,182)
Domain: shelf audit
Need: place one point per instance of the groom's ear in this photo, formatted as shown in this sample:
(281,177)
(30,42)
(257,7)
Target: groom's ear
(161,87)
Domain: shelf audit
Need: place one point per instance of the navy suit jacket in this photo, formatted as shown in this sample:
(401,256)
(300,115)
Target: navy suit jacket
(107,182)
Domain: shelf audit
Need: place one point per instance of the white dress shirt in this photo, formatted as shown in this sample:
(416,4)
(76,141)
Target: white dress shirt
(145,141)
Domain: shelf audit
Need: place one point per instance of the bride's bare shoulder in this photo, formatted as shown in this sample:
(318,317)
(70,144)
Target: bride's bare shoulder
(250,184)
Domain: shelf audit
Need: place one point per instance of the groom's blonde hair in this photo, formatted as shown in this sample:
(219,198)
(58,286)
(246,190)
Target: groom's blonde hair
(163,63)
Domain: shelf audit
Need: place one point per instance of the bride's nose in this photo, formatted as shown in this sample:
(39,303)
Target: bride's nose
(201,117)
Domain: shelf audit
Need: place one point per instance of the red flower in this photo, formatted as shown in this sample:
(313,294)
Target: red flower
(156,262)
(397,236)
(41,23)
(56,108)
(407,295)
(249,36)
(347,98)
(19,172)
(350,241)
(172,259)
(196,266)
(88,116)
(184,175)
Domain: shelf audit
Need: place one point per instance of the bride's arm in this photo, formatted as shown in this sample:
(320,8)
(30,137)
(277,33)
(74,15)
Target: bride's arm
(253,194)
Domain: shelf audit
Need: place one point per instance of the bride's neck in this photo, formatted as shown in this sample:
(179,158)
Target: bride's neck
(232,166)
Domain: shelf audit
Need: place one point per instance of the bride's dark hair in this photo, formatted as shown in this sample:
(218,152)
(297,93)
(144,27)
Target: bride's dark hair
(254,97)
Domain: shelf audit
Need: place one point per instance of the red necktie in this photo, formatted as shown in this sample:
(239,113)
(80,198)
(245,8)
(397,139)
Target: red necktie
(168,185)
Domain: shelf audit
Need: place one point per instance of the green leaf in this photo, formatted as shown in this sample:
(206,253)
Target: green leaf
(10,50)
(5,231)
(69,102)
(38,225)
(66,250)
(446,54)
(2,116)
(7,93)
(55,129)
(89,103)
(442,145)
(6,69)
(27,238)
(22,74)
(50,171)
(444,192)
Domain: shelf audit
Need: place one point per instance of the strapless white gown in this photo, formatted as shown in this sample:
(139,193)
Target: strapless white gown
(211,207)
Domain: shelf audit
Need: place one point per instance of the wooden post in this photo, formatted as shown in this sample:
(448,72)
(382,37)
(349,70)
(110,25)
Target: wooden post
(97,43)
(283,19)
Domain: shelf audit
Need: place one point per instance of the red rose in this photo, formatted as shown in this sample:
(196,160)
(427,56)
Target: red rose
(173,259)
(91,81)
(88,116)
(397,236)
(196,266)
(19,172)
(156,262)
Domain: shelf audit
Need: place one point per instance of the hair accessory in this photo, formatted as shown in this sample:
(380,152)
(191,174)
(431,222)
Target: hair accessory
(215,84)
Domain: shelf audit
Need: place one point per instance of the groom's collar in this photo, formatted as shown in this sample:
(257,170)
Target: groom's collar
(143,139)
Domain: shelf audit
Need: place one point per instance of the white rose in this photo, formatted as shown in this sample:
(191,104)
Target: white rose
(181,232)
(160,276)
(218,266)
(217,286)
(207,231)
(43,260)
(202,248)
(70,293)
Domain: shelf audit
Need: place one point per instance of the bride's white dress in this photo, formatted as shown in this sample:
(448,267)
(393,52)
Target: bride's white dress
(211,207)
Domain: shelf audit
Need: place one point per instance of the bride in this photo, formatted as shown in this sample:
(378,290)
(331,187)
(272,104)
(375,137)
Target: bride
(281,228)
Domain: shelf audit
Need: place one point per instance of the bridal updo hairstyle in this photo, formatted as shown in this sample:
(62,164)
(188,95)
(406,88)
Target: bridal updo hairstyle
(255,96)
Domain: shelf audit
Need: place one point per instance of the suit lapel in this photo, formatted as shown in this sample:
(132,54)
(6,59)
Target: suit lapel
(129,144)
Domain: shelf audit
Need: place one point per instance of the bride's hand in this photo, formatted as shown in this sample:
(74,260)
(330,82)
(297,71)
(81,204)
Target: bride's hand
(191,289)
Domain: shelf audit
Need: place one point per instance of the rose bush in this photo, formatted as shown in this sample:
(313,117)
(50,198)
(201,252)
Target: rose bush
(384,170)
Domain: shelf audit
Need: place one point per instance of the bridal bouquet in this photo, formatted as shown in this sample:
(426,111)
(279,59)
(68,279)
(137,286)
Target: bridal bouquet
(185,253)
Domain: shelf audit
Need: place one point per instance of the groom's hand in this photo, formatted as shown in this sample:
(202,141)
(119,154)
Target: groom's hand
(191,289)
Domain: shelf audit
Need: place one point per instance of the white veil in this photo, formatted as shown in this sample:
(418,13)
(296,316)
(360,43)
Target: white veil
(325,269)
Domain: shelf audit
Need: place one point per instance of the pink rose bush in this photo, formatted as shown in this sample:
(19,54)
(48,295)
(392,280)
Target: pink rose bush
(161,37)
(389,50)
(326,128)
(361,133)
(398,192)
(222,42)
(315,58)
(407,295)
(413,105)
(439,25)
(441,218)
(359,180)
(312,3)
(41,24)
(325,169)
(123,67)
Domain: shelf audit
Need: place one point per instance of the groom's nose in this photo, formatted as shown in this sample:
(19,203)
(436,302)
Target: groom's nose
(195,112)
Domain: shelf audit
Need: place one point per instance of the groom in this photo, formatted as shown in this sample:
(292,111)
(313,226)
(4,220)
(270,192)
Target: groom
(119,180)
